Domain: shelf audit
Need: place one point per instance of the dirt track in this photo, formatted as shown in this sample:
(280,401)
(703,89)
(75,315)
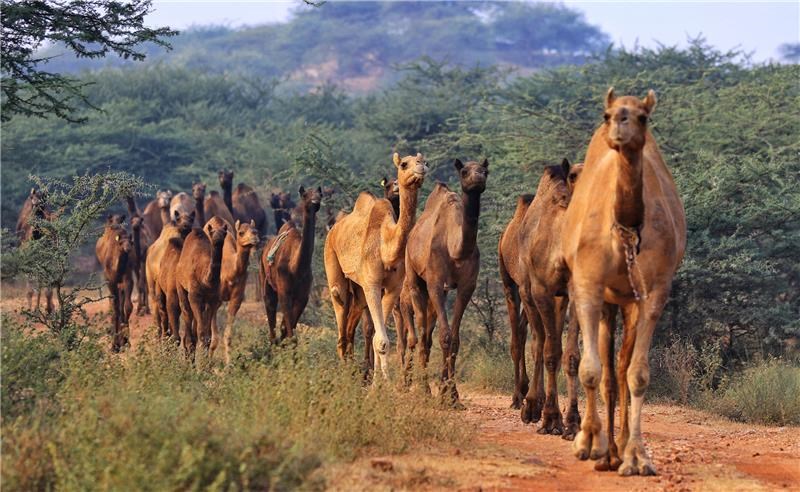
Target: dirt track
(692,450)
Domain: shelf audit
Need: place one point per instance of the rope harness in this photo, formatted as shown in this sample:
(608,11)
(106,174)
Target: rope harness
(275,246)
(631,238)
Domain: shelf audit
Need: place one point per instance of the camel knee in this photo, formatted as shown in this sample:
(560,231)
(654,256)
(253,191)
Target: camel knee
(589,372)
(571,362)
(638,379)
(336,295)
(551,361)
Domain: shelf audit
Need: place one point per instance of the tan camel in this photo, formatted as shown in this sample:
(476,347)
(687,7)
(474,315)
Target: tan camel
(177,228)
(366,249)
(239,243)
(243,202)
(113,249)
(285,272)
(442,254)
(34,206)
(142,240)
(624,237)
(198,283)
(156,212)
(534,275)
(185,204)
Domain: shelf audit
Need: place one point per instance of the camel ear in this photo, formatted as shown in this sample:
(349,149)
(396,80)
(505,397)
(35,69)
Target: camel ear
(396,159)
(458,164)
(650,101)
(302,190)
(177,215)
(383,182)
(485,163)
(33,191)
(610,97)
(565,165)
(238,223)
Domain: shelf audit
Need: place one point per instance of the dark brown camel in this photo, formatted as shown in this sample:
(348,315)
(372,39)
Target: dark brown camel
(198,279)
(243,202)
(113,249)
(282,205)
(143,237)
(241,239)
(167,252)
(534,273)
(285,272)
(442,254)
(156,212)
(34,206)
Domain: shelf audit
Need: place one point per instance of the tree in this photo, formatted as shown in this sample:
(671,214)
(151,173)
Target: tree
(89,28)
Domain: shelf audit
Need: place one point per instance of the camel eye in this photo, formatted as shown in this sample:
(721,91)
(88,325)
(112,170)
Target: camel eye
(403,165)
(607,117)
(643,119)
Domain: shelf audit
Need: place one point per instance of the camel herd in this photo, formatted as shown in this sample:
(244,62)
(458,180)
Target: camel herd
(598,237)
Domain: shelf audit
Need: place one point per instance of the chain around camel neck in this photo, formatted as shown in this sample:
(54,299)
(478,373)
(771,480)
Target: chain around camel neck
(631,241)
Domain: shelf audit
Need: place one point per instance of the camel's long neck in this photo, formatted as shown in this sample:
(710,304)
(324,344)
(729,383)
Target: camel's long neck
(121,266)
(131,205)
(137,242)
(629,206)
(307,244)
(408,211)
(227,197)
(215,267)
(469,227)
(164,215)
(201,210)
(242,259)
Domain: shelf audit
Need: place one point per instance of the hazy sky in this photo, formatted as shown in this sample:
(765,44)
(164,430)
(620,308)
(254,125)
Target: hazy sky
(758,27)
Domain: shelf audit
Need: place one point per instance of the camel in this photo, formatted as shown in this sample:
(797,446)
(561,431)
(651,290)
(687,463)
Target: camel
(177,228)
(282,206)
(535,276)
(624,236)
(34,206)
(113,251)
(142,237)
(366,249)
(198,283)
(442,254)
(285,273)
(243,202)
(152,215)
(185,204)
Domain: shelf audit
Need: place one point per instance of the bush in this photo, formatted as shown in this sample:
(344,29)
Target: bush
(150,417)
(486,364)
(767,393)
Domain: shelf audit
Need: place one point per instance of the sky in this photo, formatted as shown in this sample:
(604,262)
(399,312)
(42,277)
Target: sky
(757,27)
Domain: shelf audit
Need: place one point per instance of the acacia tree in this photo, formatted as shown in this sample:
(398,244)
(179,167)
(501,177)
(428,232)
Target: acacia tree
(89,28)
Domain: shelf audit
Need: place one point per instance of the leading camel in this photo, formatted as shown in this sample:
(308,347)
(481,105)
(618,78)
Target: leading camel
(624,237)
(366,248)
(34,206)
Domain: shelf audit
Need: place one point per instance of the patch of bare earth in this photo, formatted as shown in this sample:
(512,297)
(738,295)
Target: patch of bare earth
(692,451)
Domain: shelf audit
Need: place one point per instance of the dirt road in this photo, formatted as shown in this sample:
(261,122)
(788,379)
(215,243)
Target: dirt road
(692,451)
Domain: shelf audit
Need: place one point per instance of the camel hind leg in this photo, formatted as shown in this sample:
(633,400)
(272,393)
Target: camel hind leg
(551,314)
(570,361)
(463,295)
(339,288)
(531,411)
(513,304)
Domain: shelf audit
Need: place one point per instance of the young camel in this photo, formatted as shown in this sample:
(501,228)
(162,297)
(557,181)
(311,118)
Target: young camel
(198,283)
(534,273)
(113,250)
(34,206)
(177,228)
(442,254)
(624,237)
(239,243)
(243,202)
(285,273)
(366,249)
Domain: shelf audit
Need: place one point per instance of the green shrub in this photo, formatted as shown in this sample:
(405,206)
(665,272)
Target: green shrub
(486,364)
(767,393)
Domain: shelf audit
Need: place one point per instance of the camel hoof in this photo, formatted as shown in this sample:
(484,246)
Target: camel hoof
(647,470)
(571,431)
(602,464)
(628,469)
(582,454)
(596,454)
(531,412)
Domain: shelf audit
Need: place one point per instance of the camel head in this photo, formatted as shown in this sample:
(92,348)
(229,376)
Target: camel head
(328,192)
(626,119)
(121,238)
(216,235)
(163,197)
(411,170)
(246,233)
(281,200)
(36,197)
(472,175)
(311,199)
(199,191)
(115,219)
(559,182)
(136,222)
(391,190)
(225,179)
(184,222)
(573,172)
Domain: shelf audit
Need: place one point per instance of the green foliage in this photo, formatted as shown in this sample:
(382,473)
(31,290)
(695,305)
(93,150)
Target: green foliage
(153,418)
(71,211)
(86,28)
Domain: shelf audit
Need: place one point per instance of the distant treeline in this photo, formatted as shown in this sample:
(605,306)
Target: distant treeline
(728,132)
(356,44)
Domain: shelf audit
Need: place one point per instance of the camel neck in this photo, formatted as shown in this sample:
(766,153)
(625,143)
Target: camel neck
(201,211)
(396,206)
(307,244)
(214,268)
(227,197)
(408,209)
(122,265)
(242,259)
(137,242)
(629,206)
(469,227)
(131,206)
(164,215)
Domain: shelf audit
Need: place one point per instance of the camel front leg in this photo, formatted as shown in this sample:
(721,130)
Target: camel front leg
(188,334)
(438,297)
(608,382)
(380,344)
(534,400)
(570,361)
(629,318)
(635,459)
(517,356)
(463,296)
(213,308)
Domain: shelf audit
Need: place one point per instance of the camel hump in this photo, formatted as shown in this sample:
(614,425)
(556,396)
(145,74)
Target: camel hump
(440,194)
(523,202)
(364,202)
(214,193)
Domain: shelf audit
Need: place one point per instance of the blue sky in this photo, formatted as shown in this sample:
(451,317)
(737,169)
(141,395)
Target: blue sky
(757,27)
